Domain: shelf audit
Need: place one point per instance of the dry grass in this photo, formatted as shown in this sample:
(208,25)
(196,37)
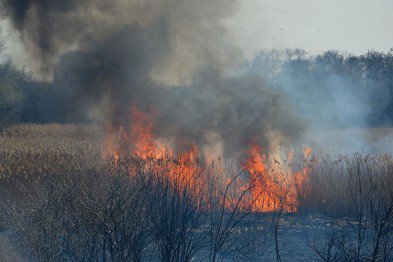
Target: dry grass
(331,180)
(62,201)
(27,149)
(56,174)
(31,151)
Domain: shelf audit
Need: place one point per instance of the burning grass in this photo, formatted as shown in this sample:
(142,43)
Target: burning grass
(312,183)
(64,198)
(270,184)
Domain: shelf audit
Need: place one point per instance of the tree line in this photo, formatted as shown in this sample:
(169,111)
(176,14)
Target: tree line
(363,82)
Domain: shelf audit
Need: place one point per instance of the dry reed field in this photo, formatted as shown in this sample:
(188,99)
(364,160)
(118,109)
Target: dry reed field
(63,199)
(196,131)
(27,149)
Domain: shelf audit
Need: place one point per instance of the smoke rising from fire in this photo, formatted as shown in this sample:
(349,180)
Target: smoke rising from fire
(345,98)
(175,58)
(191,31)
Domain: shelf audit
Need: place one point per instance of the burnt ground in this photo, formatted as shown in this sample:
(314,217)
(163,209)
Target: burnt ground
(293,232)
(7,252)
(294,229)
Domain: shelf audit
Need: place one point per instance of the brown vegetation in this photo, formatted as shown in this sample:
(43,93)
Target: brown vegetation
(61,199)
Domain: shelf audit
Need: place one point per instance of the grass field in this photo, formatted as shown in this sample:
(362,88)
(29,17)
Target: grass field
(27,149)
(62,200)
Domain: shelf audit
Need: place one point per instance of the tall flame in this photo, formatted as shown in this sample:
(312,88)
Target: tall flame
(272,186)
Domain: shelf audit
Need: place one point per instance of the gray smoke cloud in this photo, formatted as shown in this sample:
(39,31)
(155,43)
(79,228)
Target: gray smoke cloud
(175,57)
(345,98)
(194,30)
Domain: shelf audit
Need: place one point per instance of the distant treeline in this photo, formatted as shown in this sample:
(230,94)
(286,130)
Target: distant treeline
(23,100)
(334,87)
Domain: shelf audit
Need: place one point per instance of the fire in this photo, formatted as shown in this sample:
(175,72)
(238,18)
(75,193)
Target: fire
(138,141)
(271,185)
(116,157)
(307,152)
(301,177)
(141,139)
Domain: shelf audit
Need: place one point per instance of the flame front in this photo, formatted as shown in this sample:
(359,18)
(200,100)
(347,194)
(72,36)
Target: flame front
(271,185)
(274,186)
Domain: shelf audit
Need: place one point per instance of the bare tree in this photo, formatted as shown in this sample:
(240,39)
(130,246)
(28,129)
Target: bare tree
(96,215)
(176,213)
(228,212)
(329,249)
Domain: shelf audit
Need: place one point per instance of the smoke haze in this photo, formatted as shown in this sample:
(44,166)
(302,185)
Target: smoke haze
(174,57)
(178,59)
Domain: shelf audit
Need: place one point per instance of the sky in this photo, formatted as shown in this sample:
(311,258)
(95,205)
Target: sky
(354,26)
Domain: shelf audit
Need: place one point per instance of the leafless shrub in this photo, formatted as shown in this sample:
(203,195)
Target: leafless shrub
(62,201)
(87,216)
(177,218)
(228,215)
(331,248)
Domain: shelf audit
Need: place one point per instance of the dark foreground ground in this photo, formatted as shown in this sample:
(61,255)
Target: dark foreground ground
(293,234)
(294,229)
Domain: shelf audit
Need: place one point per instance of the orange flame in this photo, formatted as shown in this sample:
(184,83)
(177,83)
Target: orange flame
(142,138)
(271,185)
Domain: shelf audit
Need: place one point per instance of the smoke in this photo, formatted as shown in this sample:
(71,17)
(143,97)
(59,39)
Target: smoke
(50,29)
(171,57)
(344,98)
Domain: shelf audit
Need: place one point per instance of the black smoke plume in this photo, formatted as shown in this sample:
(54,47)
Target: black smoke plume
(174,57)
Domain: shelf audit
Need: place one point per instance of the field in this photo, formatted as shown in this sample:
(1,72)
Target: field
(63,199)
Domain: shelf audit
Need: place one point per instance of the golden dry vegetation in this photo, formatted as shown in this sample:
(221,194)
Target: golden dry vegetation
(30,148)
(61,200)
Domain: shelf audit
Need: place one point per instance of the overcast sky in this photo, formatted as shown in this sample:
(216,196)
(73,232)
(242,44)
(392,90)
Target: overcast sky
(315,25)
